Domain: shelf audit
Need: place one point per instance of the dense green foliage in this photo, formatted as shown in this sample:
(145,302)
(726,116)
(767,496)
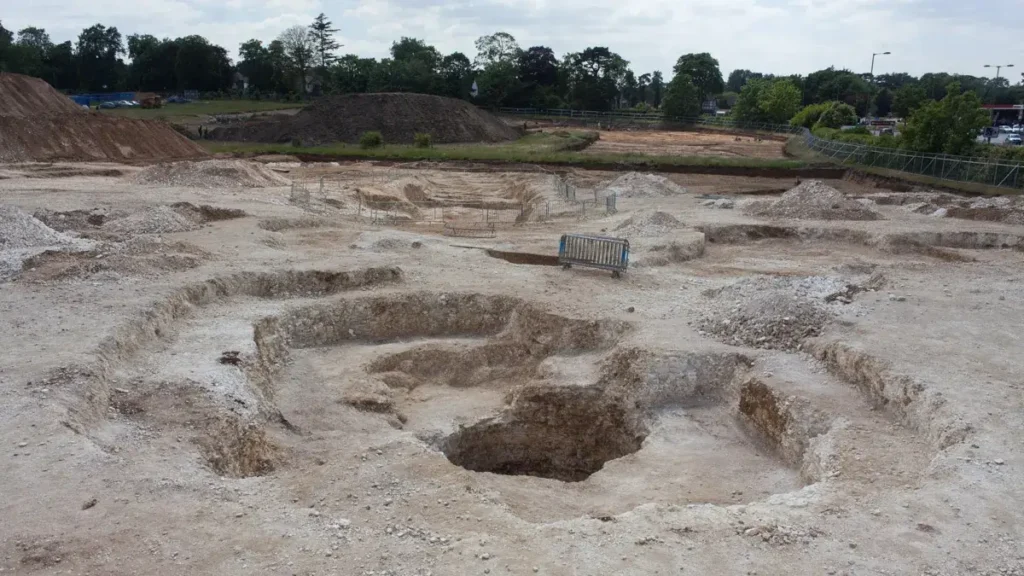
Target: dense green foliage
(763,100)
(370,140)
(682,99)
(950,125)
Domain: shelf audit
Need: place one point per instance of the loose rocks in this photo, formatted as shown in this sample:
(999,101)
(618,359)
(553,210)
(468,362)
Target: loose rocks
(813,200)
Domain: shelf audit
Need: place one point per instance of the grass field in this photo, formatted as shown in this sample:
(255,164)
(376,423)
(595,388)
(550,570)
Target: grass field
(539,148)
(184,112)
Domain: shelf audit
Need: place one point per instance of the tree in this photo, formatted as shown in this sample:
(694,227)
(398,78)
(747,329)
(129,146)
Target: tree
(781,101)
(457,75)
(682,98)
(836,115)
(201,66)
(703,72)
(352,74)
(255,64)
(593,78)
(538,66)
(98,65)
(949,126)
(63,68)
(297,43)
(414,67)
(765,100)
(810,115)
(907,99)
(894,81)
(324,44)
(538,74)
(657,87)
(739,78)
(6,39)
(498,47)
(642,84)
(883,102)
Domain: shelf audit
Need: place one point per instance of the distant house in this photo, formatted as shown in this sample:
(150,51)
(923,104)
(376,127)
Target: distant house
(710,106)
(240,82)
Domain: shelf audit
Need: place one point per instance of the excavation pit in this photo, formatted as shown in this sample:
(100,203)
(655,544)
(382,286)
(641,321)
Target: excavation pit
(562,434)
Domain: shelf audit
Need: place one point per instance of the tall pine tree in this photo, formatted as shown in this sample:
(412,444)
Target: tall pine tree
(323,41)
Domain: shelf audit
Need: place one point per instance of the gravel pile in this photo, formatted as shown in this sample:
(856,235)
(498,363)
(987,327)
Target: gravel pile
(22,236)
(156,220)
(772,313)
(654,223)
(637,185)
(21,230)
(813,200)
(211,174)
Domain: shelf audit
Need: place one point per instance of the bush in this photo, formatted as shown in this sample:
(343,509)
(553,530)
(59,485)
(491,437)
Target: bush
(837,115)
(297,142)
(856,130)
(809,116)
(371,140)
(421,140)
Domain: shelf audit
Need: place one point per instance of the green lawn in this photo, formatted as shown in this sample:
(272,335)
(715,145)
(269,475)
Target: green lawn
(183,112)
(545,148)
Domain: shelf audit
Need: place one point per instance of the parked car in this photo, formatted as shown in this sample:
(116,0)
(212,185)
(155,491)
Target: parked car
(1014,140)
(109,105)
(177,100)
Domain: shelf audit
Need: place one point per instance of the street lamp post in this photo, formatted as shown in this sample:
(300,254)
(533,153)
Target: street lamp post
(998,67)
(873,62)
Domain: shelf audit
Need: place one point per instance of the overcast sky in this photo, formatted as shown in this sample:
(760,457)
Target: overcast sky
(776,36)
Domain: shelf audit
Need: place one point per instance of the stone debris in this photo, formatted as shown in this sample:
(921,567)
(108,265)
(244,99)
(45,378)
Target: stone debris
(649,223)
(155,220)
(813,200)
(211,174)
(637,185)
(21,230)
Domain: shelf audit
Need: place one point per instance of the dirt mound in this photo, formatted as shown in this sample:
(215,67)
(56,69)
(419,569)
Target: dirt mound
(637,185)
(211,174)
(27,97)
(654,223)
(139,256)
(773,313)
(396,116)
(813,200)
(156,220)
(37,123)
(20,230)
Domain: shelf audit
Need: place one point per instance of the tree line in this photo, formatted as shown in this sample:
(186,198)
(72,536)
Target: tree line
(304,60)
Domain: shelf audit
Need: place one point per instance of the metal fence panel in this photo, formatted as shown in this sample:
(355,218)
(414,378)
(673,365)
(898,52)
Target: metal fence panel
(594,252)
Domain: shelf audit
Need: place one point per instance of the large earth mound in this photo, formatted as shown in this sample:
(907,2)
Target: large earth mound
(813,200)
(398,117)
(37,123)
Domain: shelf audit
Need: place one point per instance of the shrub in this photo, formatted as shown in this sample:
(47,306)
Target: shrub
(421,140)
(809,116)
(371,140)
(837,115)
(297,142)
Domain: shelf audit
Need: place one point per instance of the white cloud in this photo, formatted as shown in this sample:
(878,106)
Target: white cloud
(778,36)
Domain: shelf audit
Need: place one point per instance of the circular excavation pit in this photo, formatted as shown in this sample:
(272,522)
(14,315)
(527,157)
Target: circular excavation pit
(551,412)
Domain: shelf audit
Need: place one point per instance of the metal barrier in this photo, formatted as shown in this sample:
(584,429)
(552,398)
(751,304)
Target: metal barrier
(594,252)
(470,229)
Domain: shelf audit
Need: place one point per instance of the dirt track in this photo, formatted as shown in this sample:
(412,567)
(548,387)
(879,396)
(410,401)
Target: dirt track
(292,391)
(657,143)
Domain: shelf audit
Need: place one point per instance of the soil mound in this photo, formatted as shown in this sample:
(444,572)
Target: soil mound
(37,123)
(27,97)
(637,185)
(211,174)
(398,117)
(156,220)
(813,200)
(655,223)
